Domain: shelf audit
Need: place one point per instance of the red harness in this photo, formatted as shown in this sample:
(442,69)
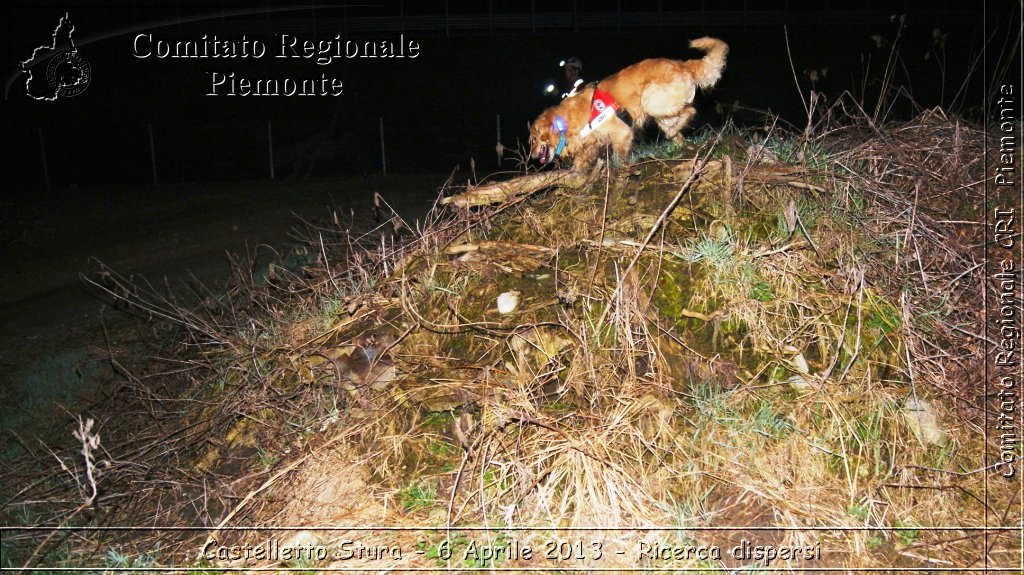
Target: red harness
(600,102)
(603,107)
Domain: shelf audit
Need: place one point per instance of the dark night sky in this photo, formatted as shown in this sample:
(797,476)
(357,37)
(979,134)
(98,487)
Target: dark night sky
(481,60)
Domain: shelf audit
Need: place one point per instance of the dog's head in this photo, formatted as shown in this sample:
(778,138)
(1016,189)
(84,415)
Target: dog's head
(557,122)
(546,132)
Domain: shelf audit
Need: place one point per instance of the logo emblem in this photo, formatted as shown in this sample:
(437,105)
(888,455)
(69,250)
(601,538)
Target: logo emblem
(67,73)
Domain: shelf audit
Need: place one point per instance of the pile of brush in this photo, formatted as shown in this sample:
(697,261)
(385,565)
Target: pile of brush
(766,332)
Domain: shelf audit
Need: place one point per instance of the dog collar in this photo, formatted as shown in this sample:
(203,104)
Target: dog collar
(560,126)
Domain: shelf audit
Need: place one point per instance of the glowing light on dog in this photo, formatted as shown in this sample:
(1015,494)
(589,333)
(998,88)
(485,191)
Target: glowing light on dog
(560,126)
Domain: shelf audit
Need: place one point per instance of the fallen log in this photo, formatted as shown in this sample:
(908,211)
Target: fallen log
(522,186)
(774,173)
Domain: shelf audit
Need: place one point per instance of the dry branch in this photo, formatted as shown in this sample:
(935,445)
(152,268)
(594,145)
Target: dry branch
(499,246)
(515,188)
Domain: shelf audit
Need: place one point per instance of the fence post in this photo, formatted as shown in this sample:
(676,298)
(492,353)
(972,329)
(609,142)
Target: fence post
(270,146)
(499,148)
(152,154)
(46,167)
(383,156)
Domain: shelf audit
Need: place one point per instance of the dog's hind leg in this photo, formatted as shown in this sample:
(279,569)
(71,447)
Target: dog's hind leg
(672,126)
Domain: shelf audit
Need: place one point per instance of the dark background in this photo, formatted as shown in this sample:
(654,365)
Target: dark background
(478,60)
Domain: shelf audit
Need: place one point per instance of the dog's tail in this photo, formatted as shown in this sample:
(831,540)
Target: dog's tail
(713,63)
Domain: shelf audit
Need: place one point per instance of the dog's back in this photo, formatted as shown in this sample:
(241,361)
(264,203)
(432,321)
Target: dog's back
(663,90)
(628,84)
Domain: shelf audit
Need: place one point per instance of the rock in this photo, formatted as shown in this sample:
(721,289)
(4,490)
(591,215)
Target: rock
(508,301)
(924,421)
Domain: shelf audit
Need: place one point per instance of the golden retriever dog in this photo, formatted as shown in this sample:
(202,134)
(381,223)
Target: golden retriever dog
(608,113)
